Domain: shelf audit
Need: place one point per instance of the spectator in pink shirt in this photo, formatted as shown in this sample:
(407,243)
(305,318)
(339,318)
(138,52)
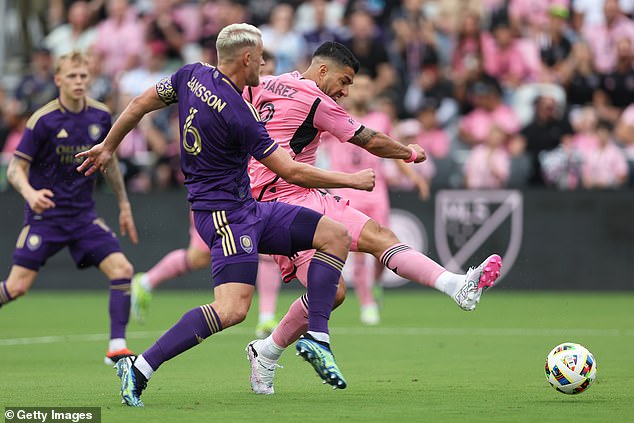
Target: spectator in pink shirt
(489,164)
(511,60)
(490,110)
(603,37)
(584,122)
(468,51)
(432,137)
(120,38)
(606,166)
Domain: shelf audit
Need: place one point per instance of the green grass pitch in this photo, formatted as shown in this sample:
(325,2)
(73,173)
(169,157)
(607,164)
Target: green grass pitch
(427,361)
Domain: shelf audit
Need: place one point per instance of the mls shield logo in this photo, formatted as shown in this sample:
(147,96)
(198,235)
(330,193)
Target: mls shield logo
(246,243)
(470,225)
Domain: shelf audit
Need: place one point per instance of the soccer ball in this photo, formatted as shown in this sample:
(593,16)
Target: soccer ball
(570,368)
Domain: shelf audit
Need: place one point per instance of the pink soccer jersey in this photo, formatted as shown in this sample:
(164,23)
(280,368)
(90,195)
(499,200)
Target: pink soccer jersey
(350,158)
(302,112)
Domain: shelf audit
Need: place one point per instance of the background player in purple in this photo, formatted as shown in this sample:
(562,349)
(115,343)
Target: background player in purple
(59,209)
(220,133)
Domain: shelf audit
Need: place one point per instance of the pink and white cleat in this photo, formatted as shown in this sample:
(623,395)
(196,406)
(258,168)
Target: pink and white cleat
(476,280)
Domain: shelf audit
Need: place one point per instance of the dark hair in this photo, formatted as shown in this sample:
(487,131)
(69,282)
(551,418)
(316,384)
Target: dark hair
(338,53)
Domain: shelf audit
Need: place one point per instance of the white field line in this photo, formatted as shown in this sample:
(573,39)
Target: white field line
(505,332)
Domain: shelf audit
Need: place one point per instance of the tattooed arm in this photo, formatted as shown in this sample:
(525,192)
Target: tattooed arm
(18,176)
(115,180)
(381,145)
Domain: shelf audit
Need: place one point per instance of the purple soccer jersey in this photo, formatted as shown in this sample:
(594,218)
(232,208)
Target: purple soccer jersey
(220,131)
(52,137)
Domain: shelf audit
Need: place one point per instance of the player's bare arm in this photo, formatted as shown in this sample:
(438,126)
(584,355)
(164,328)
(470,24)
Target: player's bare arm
(115,180)
(381,145)
(18,176)
(308,176)
(98,157)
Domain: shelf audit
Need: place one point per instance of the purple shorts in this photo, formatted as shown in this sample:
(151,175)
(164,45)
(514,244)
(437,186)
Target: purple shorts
(236,237)
(89,242)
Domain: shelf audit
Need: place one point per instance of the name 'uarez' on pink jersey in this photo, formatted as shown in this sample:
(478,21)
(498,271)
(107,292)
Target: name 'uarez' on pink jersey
(302,112)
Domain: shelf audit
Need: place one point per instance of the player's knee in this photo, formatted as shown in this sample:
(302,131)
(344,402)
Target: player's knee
(123,269)
(339,235)
(234,316)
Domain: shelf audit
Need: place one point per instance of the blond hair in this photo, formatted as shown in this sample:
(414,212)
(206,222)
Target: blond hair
(75,57)
(233,38)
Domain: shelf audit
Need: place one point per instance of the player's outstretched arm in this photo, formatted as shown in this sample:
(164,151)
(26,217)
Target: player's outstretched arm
(18,176)
(99,156)
(381,145)
(115,180)
(308,176)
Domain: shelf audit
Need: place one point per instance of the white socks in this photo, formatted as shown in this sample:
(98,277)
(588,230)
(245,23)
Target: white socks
(449,283)
(269,349)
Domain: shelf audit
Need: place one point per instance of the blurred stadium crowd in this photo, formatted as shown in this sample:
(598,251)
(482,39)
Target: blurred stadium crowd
(500,93)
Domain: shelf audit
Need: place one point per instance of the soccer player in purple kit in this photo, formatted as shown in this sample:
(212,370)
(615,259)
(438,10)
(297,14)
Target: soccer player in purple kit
(220,133)
(59,210)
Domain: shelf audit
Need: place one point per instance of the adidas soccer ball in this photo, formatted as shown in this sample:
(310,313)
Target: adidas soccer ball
(570,368)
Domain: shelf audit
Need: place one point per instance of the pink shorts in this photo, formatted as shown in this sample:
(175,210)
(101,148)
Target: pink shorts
(374,204)
(336,208)
(195,240)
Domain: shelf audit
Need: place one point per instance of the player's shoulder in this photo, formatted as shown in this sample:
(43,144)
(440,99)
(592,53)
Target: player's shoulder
(96,105)
(37,117)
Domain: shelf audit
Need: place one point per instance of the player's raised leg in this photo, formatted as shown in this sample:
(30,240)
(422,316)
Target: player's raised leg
(119,271)
(410,264)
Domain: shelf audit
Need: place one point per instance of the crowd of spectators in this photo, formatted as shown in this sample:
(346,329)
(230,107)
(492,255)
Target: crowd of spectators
(500,93)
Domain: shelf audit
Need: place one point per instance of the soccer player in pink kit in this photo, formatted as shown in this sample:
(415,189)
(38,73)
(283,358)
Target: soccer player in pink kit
(296,109)
(347,157)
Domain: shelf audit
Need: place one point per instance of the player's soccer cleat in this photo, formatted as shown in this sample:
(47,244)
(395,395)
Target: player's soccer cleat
(262,370)
(264,329)
(476,280)
(370,315)
(132,382)
(140,299)
(112,357)
(319,356)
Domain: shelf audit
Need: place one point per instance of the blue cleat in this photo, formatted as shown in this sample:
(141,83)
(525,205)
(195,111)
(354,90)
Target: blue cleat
(132,382)
(319,356)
